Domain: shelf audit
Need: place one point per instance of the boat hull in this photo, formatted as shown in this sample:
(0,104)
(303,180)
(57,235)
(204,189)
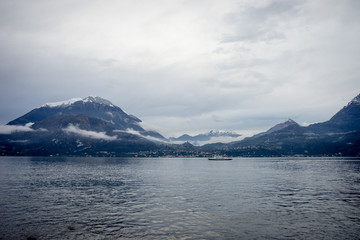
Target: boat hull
(219,159)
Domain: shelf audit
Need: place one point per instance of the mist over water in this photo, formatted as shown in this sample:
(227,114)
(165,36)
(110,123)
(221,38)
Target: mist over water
(184,198)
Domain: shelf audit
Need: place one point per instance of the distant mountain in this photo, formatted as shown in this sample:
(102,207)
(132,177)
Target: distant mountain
(93,126)
(204,137)
(339,136)
(279,127)
(75,127)
(347,119)
(91,113)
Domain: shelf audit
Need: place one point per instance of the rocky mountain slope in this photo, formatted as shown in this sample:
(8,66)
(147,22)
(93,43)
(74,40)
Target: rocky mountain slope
(77,127)
(339,136)
(95,127)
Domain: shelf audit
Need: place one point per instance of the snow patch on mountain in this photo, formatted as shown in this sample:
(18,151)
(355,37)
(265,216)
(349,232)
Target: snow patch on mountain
(79,143)
(207,138)
(223,139)
(96,99)
(62,103)
(355,100)
(110,114)
(90,99)
(90,134)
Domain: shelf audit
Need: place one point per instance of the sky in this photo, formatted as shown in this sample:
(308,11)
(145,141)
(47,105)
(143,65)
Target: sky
(184,66)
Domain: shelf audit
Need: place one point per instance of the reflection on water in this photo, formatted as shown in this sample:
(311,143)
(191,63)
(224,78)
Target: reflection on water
(114,198)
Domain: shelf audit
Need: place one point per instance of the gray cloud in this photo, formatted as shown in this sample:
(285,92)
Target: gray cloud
(183,66)
(261,23)
(9,129)
(89,134)
(134,132)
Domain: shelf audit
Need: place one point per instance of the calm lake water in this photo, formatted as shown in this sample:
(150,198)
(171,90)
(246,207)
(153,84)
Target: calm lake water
(184,198)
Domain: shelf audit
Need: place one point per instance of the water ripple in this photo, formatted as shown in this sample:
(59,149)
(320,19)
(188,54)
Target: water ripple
(79,198)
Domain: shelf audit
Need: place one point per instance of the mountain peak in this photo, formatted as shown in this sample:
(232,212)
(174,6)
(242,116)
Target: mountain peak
(287,123)
(280,126)
(97,99)
(347,118)
(66,103)
(355,100)
(290,122)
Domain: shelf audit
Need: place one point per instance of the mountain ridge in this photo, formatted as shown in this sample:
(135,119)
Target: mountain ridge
(93,126)
(279,127)
(92,121)
(339,136)
(204,136)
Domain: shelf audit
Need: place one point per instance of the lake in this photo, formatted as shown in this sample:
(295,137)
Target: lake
(179,198)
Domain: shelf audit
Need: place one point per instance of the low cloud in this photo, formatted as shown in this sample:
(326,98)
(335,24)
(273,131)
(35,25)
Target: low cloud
(212,140)
(134,132)
(90,134)
(9,129)
(240,64)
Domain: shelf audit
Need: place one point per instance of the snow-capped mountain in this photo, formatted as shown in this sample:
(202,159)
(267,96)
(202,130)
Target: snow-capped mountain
(214,136)
(90,113)
(96,127)
(339,136)
(90,99)
(75,127)
(346,120)
(94,107)
(355,101)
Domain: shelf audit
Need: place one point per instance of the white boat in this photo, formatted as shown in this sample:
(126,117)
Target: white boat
(219,158)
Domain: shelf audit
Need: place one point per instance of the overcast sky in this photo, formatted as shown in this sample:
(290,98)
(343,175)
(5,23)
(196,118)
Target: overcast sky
(184,66)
